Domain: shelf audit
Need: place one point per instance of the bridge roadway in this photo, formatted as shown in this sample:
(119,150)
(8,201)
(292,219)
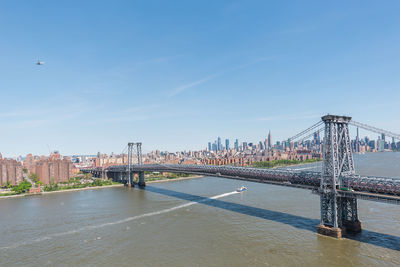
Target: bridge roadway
(381,189)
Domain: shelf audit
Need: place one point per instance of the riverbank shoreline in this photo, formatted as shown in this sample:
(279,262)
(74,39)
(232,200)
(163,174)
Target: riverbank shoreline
(292,165)
(280,164)
(66,190)
(100,187)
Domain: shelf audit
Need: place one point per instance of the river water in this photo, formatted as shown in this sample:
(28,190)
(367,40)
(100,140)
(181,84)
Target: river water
(198,222)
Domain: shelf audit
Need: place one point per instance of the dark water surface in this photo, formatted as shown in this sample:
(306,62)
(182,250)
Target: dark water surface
(176,224)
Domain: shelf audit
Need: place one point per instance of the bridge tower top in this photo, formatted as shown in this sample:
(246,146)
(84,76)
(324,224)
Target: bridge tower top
(336,119)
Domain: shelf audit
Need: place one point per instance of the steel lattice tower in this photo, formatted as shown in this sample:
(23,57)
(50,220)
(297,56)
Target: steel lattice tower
(131,151)
(130,159)
(139,153)
(337,213)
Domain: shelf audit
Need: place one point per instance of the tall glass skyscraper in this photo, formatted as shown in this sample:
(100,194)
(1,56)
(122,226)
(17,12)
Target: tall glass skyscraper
(219,144)
(214,146)
(237,145)
(269,140)
(227,144)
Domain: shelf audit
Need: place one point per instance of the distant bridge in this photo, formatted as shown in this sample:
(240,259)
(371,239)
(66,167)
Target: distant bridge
(338,185)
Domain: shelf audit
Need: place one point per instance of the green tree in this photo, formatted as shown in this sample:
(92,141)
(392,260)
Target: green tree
(97,182)
(9,185)
(23,187)
(34,177)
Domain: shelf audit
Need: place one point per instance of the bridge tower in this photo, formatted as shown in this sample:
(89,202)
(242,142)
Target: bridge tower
(338,214)
(129,174)
(140,162)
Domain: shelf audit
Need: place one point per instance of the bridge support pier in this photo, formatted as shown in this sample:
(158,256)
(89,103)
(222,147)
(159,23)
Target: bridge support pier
(120,177)
(338,216)
(141,179)
(132,179)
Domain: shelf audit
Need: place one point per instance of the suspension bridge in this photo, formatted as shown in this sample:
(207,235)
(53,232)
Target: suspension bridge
(338,186)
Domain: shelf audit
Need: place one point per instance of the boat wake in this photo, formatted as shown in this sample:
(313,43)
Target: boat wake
(91,227)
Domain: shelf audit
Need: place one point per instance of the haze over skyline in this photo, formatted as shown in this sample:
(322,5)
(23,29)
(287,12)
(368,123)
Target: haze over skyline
(175,75)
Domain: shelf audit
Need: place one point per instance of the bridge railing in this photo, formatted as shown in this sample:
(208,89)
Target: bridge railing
(382,185)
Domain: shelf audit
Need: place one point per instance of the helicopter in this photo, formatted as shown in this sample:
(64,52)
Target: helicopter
(40,62)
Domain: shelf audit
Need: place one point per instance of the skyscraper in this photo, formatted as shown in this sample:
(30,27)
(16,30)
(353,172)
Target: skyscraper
(219,144)
(357,147)
(244,146)
(227,144)
(214,146)
(237,145)
(317,138)
(269,139)
(358,135)
(209,146)
(381,144)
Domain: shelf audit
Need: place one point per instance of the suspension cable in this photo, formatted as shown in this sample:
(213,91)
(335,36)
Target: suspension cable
(311,134)
(124,150)
(305,131)
(374,129)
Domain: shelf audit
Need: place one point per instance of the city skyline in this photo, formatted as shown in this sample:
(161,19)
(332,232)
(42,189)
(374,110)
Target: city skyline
(172,78)
(378,142)
(220,144)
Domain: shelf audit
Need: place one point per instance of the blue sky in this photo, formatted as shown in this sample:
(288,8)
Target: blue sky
(177,74)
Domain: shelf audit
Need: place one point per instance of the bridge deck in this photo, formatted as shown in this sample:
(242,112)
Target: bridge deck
(364,187)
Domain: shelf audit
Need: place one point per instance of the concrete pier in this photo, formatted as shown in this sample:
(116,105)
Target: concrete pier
(352,227)
(141,179)
(329,231)
(348,227)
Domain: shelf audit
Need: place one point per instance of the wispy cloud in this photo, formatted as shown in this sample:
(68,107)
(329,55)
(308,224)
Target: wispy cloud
(46,115)
(135,114)
(184,87)
(28,124)
(124,71)
(22,113)
(187,86)
(140,109)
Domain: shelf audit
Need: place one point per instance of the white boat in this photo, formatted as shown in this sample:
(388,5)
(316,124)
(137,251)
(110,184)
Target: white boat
(241,189)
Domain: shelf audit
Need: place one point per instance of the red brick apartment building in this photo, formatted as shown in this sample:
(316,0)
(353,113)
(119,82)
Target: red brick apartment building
(10,171)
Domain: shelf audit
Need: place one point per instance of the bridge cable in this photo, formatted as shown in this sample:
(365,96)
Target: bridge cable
(311,134)
(124,150)
(374,129)
(311,128)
